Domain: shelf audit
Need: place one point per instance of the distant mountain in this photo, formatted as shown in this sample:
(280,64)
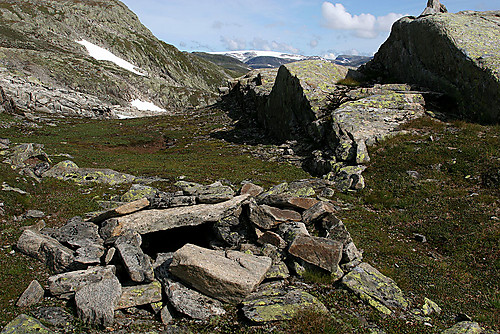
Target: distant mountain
(235,67)
(272,59)
(100,54)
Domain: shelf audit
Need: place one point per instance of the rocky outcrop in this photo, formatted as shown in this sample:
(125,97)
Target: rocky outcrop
(25,324)
(463,62)
(433,7)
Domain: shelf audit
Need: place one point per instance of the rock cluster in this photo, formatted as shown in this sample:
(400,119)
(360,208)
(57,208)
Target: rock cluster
(305,103)
(255,240)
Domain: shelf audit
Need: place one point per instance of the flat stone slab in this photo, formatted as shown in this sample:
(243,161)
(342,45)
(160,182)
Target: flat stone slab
(160,220)
(228,276)
(96,302)
(140,295)
(373,287)
(268,217)
(273,302)
(25,324)
(320,252)
(207,194)
(75,280)
(32,295)
(192,303)
(122,210)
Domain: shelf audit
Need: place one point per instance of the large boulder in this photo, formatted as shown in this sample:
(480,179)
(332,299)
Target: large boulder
(225,275)
(73,281)
(463,62)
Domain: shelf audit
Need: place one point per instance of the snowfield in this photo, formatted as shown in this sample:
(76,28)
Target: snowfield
(146,106)
(99,53)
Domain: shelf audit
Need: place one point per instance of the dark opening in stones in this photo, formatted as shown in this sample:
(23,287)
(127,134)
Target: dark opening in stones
(172,240)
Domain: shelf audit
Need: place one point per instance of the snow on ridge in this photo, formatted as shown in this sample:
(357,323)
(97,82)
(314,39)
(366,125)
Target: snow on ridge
(248,54)
(146,106)
(99,53)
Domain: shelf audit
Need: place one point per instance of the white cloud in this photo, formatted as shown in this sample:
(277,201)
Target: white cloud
(233,44)
(313,43)
(364,25)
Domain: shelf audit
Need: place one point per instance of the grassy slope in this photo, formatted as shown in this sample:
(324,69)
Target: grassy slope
(458,267)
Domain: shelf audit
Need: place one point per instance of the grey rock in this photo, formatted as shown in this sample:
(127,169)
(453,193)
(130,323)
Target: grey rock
(464,327)
(289,231)
(139,295)
(73,281)
(232,231)
(166,316)
(433,7)
(79,233)
(6,187)
(278,271)
(122,210)
(164,200)
(96,302)
(373,287)
(22,152)
(46,249)
(138,192)
(272,238)
(320,252)
(161,220)
(430,307)
(251,189)
(25,324)
(192,303)
(350,253)
(316,212)
(89,255)
(268,217)
(32,295)
(348,178)
(67,172)
(55,316)
(228,276)
(211,194)
(137,263)
(110,254)
(274,302)
(34,214)
(161,267)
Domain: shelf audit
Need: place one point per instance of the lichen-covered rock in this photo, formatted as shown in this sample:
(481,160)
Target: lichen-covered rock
(140,295)
(278,271)
(430,307)
(464,327)
(206,194)
(192,303)
(464,61)
(88,175)
(73,281)
(225,275)
(26,325)
(137,264)
(373,287)
(232,231)
(139,191)
(273,302)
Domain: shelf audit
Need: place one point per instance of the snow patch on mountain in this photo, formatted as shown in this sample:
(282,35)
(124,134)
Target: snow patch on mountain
(142,105)
(99,53)
(246,55)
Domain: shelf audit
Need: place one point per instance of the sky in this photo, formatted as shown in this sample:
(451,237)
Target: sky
(307,27)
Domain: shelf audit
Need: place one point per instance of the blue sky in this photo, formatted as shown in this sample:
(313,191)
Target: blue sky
(308,27)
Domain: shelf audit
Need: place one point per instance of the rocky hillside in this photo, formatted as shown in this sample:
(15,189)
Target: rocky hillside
(456,54)
(45,69)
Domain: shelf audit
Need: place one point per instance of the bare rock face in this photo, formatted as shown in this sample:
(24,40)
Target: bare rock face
(228,276)
(463,62)
(96,302)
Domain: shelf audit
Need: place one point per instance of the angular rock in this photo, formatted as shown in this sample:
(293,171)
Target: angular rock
(211,194)
(61,171)
(161,220)
(273,302)
(301,203)
(348,178)
(430,307)
(137,264)
(96,302)
(320,252)
(21,153)
(25,324)
(267,217)
(289,231)
(56,316)
(377,290)
(433,7)
(32,295)
(316,212)
(272,238)
(232,231)
(465,52)
(34,214)
(228,276)
(75,280)
(166,316)
(161,267)
(192,303)
(164,200)
(251,189)
(278,271)
(138,192)
(140,295)
(89,255)
(464,327)
(122,210)
(57,257)
(110,254)
(79,233)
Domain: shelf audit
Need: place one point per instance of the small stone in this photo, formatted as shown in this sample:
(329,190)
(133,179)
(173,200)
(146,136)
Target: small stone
(278,271)
(32,295)
(430,307)
(122,210)
(419,237)
(269,237)
(140,295)
(166,316)
(251,189)
(34,214)
(110,254)
(290,230)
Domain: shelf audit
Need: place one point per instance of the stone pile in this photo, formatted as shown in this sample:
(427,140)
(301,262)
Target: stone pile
(187,253)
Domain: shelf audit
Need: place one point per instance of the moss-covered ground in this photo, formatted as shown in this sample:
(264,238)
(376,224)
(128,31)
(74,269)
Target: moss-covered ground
(453,201)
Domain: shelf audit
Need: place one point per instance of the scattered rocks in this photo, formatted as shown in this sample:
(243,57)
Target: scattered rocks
(32,295)
(376,289)
(211,194)
(228,276)
(34,214)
